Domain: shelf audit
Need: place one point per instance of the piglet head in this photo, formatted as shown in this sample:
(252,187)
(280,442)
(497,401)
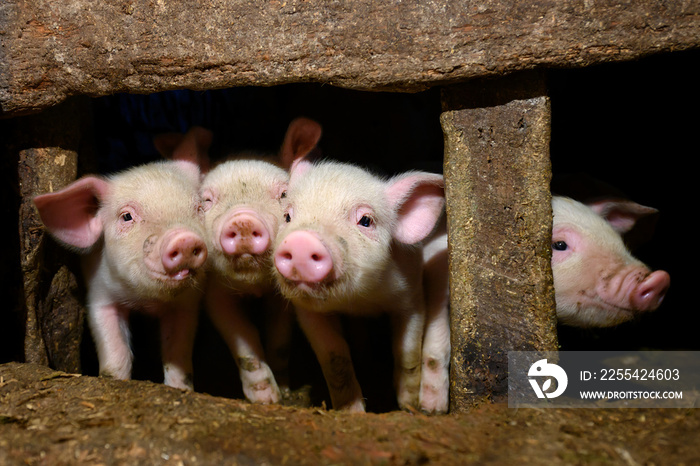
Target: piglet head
(342,225)
(153,230)
(597,281)
(241,202)
(242,205)
(148,220)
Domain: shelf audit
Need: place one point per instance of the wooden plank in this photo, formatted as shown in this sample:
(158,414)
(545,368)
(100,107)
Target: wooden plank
(50,50)
(497,174)
(47,150)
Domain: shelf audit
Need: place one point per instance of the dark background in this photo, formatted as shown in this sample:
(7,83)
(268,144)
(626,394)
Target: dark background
(633,125)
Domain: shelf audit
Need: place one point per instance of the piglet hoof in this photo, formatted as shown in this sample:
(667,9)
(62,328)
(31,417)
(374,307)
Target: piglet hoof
(177,378)
(259,385)
(434,400)
(107,375)
(181,385)
(117,373)
(357,406)
(264,393)
(408,395)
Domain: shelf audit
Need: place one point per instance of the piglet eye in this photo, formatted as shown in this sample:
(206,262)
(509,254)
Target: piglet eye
(365,221)
(560,246)
(287,217)
(283,195)
(126,217)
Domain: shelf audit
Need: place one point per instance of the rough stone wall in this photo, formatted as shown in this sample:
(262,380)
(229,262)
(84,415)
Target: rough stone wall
(50,50)
(497,175)
(47,147)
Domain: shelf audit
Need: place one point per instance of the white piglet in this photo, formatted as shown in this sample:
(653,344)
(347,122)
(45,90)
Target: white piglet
(241,200)
(142,238)
(350,243)
(597,281)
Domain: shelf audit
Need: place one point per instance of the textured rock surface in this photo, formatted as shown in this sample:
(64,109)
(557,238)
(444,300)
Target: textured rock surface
(47,146)
(497,174)
(50,50)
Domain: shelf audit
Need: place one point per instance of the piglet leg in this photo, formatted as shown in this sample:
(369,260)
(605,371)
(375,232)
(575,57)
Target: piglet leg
(407,341)
(243,340)
(109,324)
(325,335)
(178,326)
(279,325)
(435,376)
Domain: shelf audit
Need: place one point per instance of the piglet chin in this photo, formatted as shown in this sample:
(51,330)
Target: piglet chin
(175,278)
(310,293)
(593,311)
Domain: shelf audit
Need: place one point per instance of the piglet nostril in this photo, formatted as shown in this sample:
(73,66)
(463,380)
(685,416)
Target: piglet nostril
(183,249)
(244,233)
(303,258)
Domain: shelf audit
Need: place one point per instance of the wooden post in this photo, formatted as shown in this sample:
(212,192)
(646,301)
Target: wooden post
(47,147)
(497,174)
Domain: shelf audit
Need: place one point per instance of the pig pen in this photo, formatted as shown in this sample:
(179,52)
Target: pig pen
(550,93)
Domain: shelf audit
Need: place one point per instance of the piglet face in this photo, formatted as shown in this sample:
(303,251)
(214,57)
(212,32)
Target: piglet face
(153,237)
(241,204)
(342,225)
(336,235)
(597,281)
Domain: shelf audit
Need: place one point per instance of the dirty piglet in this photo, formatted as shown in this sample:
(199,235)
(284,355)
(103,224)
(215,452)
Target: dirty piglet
(241,200)
(142,240)
(597,281)
(350,244)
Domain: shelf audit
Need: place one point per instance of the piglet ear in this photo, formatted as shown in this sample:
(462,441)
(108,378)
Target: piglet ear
(70,214)
(621,214)
(300,142)
(166,143)
(192,146)
(418,199)
(298,168)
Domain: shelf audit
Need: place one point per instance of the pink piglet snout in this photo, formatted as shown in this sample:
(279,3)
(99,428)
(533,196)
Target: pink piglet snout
(181,252)
(650,292)
(302,257)
(244,233)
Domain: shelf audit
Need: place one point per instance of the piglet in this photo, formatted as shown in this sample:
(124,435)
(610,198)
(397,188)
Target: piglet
(350,243)
(142,239)
(241,200)
(597,281)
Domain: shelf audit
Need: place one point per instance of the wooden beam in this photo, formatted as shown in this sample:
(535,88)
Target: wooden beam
(497,174)
(52,50)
